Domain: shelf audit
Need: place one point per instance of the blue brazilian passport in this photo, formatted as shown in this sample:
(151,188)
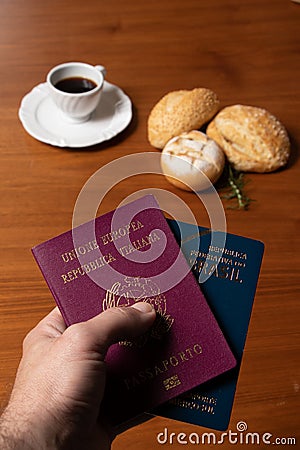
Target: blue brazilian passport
(229,291)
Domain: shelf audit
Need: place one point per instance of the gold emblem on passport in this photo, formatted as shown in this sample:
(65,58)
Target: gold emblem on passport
(136,289)
(170,383)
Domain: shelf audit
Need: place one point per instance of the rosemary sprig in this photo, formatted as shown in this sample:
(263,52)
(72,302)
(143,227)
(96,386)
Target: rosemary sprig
(234,185)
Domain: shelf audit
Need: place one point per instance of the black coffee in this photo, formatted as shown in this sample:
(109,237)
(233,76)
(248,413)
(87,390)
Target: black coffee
(75,85)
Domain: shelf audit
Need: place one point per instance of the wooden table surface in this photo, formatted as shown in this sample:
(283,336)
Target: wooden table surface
(247,52)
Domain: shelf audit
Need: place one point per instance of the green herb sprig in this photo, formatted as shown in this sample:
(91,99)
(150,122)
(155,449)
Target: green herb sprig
(234,183)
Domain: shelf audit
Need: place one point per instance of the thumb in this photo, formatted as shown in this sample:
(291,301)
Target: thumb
(113,325)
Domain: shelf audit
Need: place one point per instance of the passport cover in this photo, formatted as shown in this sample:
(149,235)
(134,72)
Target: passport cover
(122,257)
(230,293)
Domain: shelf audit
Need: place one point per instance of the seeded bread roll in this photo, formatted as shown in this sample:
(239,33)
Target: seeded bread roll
(252,138)
(179,112)
(186,157)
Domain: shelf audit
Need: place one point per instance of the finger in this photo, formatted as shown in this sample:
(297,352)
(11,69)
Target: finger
(111,326)
(50,327)
(53,324)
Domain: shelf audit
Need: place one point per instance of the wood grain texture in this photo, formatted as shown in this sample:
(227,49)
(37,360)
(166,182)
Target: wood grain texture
(247,52)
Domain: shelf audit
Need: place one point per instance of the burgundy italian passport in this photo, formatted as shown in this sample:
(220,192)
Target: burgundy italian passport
(130,255)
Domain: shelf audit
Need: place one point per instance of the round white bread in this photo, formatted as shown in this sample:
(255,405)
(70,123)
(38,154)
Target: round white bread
(186,157)
(180,111)
(252,138)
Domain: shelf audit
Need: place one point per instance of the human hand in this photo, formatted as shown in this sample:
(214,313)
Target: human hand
(60,382)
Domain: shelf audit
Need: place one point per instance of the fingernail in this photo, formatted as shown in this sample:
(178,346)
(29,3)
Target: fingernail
(144,307)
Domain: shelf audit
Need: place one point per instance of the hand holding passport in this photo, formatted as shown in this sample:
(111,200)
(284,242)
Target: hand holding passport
(185,347)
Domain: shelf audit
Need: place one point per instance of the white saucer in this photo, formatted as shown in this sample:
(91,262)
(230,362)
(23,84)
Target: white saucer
(45,122)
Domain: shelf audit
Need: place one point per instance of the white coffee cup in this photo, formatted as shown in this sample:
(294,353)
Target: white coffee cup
(77,107)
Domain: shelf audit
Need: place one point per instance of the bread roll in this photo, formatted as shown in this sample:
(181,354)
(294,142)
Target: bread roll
(252,138)
(187,156)
(180,111)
